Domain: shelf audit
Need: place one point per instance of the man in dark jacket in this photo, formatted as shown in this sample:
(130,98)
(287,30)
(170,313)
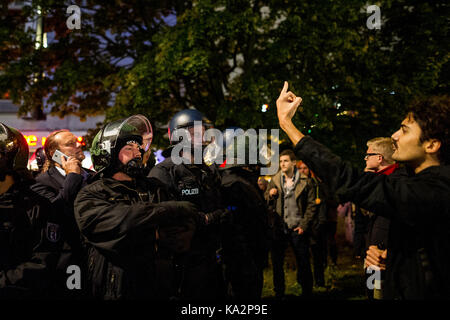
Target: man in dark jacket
(379,159)
(60,183)
(319,234)
(375,231)
(418,204)
(28,246)
(198,272)
(295,222)
(120,213)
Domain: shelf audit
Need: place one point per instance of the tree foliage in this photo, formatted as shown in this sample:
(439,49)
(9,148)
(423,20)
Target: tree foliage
(229,57)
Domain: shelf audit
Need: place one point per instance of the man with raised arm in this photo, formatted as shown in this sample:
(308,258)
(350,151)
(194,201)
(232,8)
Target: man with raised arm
(418,203)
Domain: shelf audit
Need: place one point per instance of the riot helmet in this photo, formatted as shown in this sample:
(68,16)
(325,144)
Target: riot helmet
(113,137)
(243,149)
(13,151)
(40,157)
(185,119)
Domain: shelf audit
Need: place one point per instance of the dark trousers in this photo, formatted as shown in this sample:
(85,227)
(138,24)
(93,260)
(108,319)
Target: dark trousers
(300,245)
(202,281)
(319,254)
(331,247)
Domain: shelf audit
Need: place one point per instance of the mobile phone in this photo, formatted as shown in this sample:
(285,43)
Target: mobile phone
(57,157)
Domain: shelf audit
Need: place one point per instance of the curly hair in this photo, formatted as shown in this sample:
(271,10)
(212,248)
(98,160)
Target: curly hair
(433,117)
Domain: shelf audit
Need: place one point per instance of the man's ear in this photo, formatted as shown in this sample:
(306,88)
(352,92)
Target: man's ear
(380,158)
(432,145)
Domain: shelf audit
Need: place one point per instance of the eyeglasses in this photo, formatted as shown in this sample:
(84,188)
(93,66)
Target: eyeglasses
(371,154)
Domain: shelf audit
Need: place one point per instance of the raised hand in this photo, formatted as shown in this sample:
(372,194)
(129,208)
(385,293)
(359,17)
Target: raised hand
(287,104)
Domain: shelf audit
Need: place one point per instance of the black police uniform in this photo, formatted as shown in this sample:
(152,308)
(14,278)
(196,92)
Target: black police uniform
(118,220)
(29,233)
(29,244)
(245,240)
(197,272)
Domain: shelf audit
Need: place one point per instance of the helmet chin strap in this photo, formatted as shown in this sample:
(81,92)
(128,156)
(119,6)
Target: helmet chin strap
(4,169)
(134,168)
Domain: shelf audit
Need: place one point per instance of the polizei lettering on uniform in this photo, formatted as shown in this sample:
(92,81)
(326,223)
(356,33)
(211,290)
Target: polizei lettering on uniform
(189,192)
(198,310)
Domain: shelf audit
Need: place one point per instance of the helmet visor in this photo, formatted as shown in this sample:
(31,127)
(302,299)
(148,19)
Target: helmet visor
(6,139)
(137,125)
(13,146)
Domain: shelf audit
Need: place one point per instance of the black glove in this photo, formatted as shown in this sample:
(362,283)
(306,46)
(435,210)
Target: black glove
(177,211)
(220,216)
(177,239)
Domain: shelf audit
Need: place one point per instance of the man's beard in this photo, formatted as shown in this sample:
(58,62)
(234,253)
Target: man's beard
(134,168)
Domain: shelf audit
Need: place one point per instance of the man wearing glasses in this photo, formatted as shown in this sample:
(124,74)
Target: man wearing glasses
(378,159)
(379,156)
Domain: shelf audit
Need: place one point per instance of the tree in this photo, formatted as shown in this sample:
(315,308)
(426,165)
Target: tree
(81,70)
(228,57)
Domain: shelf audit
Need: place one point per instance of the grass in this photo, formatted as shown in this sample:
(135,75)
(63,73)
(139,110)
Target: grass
(345,281)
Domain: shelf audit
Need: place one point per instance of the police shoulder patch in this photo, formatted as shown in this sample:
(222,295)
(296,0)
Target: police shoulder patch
(53,232)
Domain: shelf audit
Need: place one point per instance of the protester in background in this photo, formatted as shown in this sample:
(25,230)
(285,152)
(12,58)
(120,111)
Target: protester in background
(378,159)
(331,249)
(297,217)
(262,184)
(319,236)
(346,212)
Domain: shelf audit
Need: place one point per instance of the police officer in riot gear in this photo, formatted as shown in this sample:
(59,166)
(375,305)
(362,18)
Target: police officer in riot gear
(40,158)
(120,213)
(245,241)
(29,238)
(197,273)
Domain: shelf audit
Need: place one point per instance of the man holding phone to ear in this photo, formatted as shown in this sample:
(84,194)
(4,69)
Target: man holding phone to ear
(60,181)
